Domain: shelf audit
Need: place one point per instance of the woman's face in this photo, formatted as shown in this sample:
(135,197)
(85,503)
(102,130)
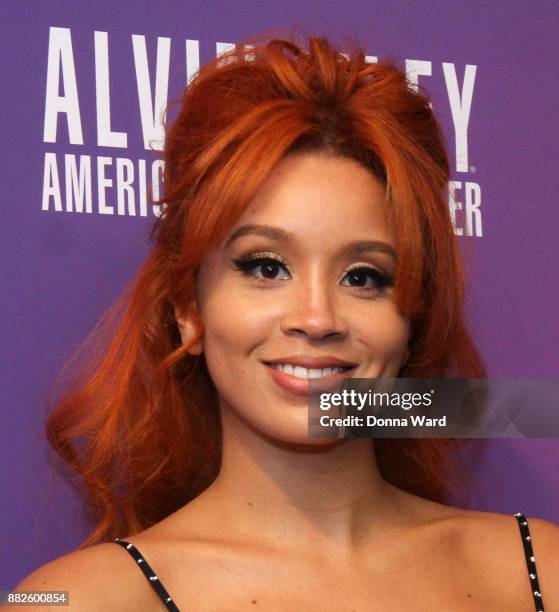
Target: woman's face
(294,282)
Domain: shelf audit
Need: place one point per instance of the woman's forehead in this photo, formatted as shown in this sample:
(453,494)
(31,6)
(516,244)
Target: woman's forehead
(323,196)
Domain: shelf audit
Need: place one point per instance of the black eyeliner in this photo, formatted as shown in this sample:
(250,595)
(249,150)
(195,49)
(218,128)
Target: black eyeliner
(246,263)
(383,278)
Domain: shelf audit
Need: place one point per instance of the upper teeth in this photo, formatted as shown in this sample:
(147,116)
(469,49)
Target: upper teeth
(307,372)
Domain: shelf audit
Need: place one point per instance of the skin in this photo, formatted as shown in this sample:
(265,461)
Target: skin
(292,522)
(310,306)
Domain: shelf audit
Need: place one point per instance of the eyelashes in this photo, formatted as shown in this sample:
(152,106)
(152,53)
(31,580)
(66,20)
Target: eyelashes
(271,264)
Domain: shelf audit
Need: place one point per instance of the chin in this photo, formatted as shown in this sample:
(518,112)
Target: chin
(281,425)
(294,435)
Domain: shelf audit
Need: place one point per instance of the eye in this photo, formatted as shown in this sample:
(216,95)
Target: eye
(262,268)
(363,274)
(269,266)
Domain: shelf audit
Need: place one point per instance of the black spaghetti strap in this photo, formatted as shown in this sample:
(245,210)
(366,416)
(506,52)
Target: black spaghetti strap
(149,574)
(170,604)
(530,561)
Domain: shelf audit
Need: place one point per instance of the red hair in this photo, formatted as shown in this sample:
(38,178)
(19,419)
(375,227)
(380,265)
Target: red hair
(140,423)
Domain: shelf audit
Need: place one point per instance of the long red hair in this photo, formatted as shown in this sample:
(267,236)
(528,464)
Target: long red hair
(140,424)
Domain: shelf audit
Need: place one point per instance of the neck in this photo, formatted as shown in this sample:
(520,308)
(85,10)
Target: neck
(328,495)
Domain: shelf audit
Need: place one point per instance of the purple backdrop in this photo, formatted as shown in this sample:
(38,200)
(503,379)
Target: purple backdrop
(490,68)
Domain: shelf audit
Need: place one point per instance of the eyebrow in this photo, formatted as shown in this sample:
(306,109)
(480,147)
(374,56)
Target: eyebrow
(280,235)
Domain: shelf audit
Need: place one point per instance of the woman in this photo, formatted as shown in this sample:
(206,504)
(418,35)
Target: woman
(305,233)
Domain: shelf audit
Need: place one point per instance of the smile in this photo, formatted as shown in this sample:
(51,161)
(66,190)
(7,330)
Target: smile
(301,372)
(296,379)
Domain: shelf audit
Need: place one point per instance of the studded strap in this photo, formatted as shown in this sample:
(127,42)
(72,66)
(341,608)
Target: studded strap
(170,604)
(149,574)
(530,560)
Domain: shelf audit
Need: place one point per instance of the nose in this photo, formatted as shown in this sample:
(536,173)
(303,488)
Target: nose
(313,311)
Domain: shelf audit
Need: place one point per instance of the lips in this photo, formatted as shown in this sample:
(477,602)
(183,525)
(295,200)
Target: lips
(310,362)
(301,386)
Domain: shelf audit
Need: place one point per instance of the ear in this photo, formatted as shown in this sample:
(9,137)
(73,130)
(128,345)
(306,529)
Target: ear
(187,328)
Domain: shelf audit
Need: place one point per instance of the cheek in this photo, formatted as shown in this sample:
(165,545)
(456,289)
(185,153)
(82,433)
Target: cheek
(234,324)
(235,329)
(387,331)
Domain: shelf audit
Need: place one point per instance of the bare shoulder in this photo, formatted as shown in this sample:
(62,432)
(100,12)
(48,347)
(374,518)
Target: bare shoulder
(488,549)
(493,543)
(99,577)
